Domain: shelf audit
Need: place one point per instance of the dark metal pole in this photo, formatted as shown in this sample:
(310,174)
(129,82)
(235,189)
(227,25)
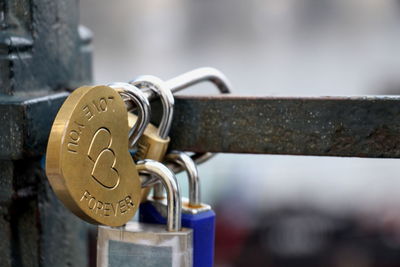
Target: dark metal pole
(43,50)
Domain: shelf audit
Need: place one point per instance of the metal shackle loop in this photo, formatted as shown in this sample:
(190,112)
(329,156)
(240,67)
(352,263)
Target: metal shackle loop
(168,180)
(194,77)
(190,167)
(200,75)
(131,93)
(151,84)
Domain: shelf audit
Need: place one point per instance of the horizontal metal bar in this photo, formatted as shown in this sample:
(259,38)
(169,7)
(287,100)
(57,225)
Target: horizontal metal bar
(25,124)
(325,126)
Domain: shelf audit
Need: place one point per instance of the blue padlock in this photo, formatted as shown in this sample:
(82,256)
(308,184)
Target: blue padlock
(195,215)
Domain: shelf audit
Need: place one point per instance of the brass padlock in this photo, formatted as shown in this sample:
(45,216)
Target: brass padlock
(154,142)
(179,83)
(88,163)
(150,145)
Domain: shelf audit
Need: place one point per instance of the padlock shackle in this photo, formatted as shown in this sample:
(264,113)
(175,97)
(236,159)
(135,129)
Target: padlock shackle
(197,76)
(198,158)
(170,183)
(148,180)
(190,167)
(194,77)
(133,94)
(151,85)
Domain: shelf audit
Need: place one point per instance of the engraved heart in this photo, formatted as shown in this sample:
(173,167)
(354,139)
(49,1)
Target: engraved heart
(101,140)
(104,171)
(104,159)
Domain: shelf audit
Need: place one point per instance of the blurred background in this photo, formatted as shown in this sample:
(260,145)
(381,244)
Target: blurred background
(274,210)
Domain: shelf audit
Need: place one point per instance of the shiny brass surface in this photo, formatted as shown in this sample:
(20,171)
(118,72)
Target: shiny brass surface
(150,144)
(88,163)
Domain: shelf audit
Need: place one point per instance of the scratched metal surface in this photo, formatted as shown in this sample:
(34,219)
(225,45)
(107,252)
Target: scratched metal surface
(325,126)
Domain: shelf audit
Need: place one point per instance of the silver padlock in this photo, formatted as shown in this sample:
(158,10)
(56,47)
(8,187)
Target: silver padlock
(154,86)
(139,244)
(154,144)
(194,77)
(134,96)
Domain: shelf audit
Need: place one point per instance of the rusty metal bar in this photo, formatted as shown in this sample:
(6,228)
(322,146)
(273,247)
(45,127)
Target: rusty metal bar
(325,126)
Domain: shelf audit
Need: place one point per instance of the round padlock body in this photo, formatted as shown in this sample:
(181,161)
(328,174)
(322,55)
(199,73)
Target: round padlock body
(88,163)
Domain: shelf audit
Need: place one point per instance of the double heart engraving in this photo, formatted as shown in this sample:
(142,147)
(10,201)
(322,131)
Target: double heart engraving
(103,157)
